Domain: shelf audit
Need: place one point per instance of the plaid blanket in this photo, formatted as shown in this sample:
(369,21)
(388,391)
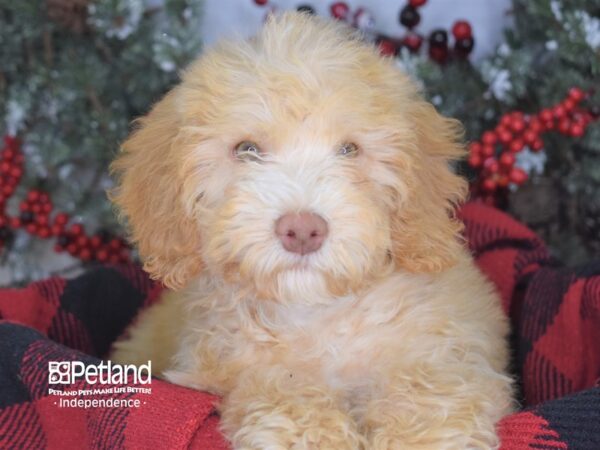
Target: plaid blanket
(555,314)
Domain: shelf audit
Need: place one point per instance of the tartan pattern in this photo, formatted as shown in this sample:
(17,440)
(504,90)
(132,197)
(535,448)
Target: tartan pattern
(555,314)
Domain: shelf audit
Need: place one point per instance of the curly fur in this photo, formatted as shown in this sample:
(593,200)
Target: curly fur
(385,338)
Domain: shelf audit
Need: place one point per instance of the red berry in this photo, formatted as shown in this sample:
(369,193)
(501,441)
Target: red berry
(475,148)
(500,128)
(462,30)
(505,137)
(491,165)
(85,254)
(559,111)
(438,54)
(489,138)
(413,42)
(31,228)
(564,126)
(537,145)
(11,142)
(114,259)
(82,241)
(516,145)
(261,2)
(115,244)
(507,159)
(568,104)
(44,232)
(416,3)
(505,120)
(57,229)
(47,207)
(576,94)
(42,219)
(489,185)
(5,167)
(33,196)
(529,137)
(517,125)
(340,10)
(102,255)
(535,125)
(16,172)
(71,248)
(15,222)
(77,229)
(61,219)
(24,206)
(546,115)
(8,154)
(44,197)
(550,125)
(95,241)
(577,130)
(487,151)
(518,176)
(474,160)
(36,208)
(387,47)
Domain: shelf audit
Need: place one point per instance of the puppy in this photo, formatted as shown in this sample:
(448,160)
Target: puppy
(295,195)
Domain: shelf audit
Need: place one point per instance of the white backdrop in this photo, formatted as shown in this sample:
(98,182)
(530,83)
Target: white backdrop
(487,17)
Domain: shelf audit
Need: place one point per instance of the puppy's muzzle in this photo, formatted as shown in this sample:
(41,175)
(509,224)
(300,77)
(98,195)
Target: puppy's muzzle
(301,233)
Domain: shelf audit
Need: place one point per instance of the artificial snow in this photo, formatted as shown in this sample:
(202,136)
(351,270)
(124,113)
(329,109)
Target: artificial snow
(531,162)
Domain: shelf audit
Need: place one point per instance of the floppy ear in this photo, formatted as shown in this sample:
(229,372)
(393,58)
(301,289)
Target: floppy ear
(426,236)
(149,193)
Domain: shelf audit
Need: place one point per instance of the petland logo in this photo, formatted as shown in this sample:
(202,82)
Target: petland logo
(68,372)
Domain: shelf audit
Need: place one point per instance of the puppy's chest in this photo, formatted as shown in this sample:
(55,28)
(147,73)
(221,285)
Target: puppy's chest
(341,345)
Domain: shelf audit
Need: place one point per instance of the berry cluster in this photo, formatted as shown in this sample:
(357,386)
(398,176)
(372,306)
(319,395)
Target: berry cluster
(100,247)
(463,42)
(409,17)
(439,49)
(493,156)
(11,171)
(35,217)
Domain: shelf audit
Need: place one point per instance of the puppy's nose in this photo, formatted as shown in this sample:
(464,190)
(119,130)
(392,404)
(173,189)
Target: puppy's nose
(301,233)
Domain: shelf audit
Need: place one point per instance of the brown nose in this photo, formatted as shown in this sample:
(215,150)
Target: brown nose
(301,233)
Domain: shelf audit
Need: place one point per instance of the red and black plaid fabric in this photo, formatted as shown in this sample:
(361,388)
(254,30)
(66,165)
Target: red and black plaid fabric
(555,314)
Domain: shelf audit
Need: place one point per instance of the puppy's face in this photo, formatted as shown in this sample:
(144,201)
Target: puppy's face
(299,165)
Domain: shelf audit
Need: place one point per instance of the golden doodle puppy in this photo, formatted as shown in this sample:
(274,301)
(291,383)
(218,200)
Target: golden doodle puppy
(294,193)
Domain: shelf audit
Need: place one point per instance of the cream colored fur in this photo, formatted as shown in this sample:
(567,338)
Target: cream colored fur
(388,337)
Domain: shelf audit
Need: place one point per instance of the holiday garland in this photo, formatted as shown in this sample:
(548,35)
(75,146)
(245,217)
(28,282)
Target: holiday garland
(494,155)
(37,218)
(409,17)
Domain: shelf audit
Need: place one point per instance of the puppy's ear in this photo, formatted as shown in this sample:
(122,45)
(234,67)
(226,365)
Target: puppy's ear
(149,194)
(425,232)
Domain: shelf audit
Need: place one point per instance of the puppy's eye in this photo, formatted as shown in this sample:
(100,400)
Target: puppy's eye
(348,149)
(248,151)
